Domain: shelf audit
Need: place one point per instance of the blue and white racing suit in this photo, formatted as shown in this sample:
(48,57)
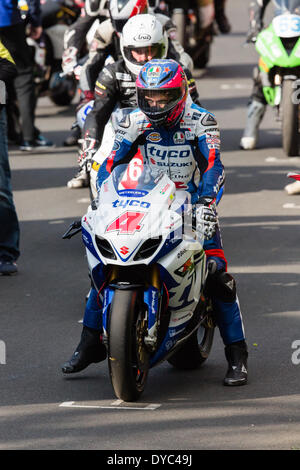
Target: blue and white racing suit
(189,154)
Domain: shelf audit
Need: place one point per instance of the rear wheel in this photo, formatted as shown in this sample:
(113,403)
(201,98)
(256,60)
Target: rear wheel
(128,358)
(196,349)
(290,120)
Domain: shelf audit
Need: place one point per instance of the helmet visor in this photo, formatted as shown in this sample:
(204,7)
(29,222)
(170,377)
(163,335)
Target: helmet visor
(158,102)
(141,55)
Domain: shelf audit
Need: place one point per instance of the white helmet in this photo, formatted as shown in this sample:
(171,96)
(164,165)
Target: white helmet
(121,10)
(142,39)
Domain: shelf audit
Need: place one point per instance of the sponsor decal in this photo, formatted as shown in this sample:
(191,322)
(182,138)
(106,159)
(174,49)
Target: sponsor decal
(213,141)
(128,84)
(187,267)
(163,153)
(179,138)
(154,72)
(154,137)
(142,37)
(163,191)
(123,76)
(208,120)
(95,165)
(132,193)
(180,185)
(131,202)
(116,145)
(129,222)
(87,223)
(181,253)
(119,138)
(189,135)
(98,84)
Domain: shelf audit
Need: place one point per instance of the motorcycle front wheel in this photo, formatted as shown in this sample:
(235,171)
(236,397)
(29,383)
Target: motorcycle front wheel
(290,120)
(127,357)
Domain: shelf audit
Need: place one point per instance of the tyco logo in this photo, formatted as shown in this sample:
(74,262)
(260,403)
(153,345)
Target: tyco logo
(163,153)
(131,202)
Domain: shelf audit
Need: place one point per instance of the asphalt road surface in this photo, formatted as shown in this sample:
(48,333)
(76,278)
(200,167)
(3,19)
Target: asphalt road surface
(41,308)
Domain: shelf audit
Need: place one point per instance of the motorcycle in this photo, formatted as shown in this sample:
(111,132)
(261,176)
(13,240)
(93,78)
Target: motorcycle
(195,29)
(149,268)
(279,48)
(47,51)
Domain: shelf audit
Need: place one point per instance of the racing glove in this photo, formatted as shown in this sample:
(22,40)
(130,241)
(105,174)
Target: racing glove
(206,217)
(88,148)
(69,60)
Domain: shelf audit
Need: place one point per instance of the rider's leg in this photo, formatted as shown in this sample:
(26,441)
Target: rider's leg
(255,113)
(90,348)
(221,287)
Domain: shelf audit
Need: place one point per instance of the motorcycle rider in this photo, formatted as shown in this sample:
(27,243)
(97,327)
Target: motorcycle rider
(107,39)
(115,84)
(257,104)
(166,120)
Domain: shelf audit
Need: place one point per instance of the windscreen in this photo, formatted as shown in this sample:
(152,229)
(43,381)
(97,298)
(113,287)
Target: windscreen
(285,6)
(134,179)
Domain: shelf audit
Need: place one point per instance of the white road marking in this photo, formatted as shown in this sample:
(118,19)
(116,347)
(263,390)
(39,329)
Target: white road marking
(84,200)
(115,405)
(291,205)
(282,160)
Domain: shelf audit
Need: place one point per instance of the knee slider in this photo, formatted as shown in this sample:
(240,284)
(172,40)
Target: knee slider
(222,286)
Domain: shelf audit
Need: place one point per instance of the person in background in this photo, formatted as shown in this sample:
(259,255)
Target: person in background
(221,18)
(13,37)
(9,224)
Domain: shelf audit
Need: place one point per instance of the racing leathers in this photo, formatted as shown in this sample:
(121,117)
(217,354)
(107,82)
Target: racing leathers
(257,103)
(114,86)
(189,154)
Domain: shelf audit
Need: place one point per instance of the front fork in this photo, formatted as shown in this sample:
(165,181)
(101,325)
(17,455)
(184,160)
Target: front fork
(152,301)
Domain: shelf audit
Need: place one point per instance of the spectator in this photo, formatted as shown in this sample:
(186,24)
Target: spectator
(9,225)
(12,35)
(221,18)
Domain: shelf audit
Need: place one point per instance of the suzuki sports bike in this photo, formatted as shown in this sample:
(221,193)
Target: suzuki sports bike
(149,267)
(279,48)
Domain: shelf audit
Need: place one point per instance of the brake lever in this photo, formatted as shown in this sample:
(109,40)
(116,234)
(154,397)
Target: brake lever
(76,225)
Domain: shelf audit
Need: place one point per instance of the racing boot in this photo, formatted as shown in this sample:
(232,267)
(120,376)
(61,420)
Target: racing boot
(255,113)
(80,180)
(236,355)
(293,188)
(89,350)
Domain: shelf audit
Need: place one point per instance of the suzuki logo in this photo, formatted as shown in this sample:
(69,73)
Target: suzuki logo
(124,250)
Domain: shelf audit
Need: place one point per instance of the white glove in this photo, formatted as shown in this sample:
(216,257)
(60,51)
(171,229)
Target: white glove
(206,219)
(88,148)
(69,60)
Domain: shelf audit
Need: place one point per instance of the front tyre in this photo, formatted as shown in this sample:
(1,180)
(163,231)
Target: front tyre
(196,349)
(290,120)
(127,356)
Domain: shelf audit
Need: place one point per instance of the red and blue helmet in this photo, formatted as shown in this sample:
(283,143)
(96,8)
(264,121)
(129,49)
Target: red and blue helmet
(162,90)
